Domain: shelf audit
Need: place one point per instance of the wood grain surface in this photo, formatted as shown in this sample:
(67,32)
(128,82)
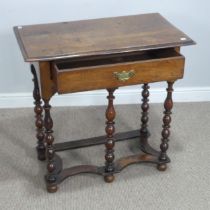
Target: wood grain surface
(161,66)
(53,41)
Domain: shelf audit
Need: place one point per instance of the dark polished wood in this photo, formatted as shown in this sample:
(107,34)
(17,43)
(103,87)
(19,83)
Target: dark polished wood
(168,105)
(145,108)
(51,166)
(110,129)
(144,116)
(120,164)
(102,54)
(41,149)
(144,132)
(95,141)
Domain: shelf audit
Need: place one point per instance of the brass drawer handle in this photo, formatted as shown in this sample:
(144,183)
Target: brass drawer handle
(124,75)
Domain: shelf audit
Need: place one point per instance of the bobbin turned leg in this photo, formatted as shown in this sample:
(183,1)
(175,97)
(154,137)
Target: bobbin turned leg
(144,133)
(41,149)
(110,129)
(168,105)
(51,167)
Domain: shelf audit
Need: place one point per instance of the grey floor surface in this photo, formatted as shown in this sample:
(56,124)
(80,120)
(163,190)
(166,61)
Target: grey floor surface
(184,186)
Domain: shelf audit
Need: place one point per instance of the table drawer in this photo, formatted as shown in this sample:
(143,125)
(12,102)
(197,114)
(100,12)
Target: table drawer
(120,70)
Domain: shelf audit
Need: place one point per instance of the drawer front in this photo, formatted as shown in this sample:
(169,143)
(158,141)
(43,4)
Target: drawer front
(117,75)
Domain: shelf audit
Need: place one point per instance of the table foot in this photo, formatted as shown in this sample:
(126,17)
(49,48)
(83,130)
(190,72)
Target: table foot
(109,178)
(52,189)
(162,167)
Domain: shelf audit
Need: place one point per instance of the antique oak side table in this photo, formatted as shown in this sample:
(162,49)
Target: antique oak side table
(96,54)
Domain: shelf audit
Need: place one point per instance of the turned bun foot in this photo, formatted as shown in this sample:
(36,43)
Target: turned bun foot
(109,178)
(162,167)
(52,189)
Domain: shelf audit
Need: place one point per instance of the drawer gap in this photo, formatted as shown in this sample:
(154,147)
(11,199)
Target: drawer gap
(117,58)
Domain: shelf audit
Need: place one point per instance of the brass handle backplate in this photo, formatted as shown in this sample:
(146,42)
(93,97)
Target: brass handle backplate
(124,75)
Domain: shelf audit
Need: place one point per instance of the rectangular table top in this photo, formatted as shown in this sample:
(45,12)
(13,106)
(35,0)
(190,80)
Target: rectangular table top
(104,36)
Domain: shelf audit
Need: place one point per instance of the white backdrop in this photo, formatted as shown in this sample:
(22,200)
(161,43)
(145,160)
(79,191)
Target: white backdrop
(191,16)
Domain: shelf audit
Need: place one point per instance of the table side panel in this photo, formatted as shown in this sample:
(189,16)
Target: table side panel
(48,87)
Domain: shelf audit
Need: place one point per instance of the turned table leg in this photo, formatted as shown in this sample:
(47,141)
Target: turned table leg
(110,129)
(41,149)
(168,105)
(144,133)
(51,166)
